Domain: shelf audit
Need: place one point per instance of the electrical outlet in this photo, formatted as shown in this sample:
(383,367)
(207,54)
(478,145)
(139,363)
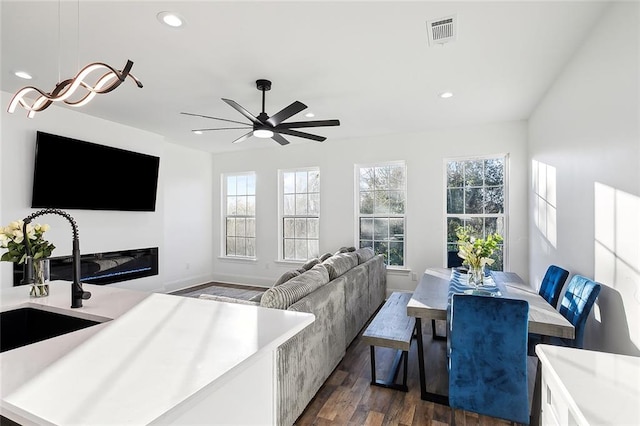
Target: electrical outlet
(414,276)
(187,265)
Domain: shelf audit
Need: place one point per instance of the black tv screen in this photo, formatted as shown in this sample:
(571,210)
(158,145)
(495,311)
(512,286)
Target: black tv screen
(74,174)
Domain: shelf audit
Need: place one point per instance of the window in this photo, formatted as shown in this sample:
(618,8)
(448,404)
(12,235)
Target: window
(300,214)
(240,215)
(475,192)
(381,210)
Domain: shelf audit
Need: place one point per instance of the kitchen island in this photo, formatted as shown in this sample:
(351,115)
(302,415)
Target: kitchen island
(154,358)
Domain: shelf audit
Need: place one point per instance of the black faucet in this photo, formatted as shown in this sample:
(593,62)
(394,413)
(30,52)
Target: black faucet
(77,293)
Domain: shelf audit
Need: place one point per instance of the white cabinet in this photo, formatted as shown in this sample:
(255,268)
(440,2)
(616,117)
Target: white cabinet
(581,387)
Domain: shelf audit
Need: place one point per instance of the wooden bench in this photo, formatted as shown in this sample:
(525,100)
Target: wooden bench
(391,328)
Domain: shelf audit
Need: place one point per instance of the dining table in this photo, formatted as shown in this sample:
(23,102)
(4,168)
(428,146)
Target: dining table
(431,299)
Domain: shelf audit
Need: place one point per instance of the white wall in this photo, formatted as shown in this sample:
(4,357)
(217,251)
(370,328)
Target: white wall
(188,188)
(112,230)
(585,131)
(423,153)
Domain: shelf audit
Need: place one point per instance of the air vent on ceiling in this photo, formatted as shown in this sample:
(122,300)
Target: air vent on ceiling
(441,31)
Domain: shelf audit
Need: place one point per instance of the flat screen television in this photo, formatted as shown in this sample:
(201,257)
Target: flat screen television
(75,174)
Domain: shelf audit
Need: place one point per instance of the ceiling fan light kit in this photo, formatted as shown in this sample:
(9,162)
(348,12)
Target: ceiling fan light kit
(264,126)
(262,133)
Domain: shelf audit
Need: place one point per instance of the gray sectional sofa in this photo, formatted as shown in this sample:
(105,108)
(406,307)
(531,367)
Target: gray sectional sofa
(343,291)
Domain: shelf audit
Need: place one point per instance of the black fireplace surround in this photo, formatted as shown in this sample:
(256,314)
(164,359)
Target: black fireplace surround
(102,268)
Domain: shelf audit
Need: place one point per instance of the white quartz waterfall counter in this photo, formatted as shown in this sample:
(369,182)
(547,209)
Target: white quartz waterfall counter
(583,387)
(157,358)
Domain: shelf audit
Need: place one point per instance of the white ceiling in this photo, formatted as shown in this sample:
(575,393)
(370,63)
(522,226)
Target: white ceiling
(367,64)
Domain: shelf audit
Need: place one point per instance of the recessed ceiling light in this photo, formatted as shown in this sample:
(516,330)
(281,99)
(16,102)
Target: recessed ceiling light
(197,132)
(445,95)
(171,19)
(309,115)
(23,74)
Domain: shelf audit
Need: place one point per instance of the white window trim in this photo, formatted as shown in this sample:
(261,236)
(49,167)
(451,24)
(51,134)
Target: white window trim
(280,258)
(223,217)
(506,244)
(356,208)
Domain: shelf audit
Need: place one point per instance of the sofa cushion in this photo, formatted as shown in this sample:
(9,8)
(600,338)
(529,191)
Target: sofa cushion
(283,295)
(287,276)
(340,263)
(364,254)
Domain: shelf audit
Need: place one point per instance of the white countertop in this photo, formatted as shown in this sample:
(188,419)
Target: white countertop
(601,388)
(155,352)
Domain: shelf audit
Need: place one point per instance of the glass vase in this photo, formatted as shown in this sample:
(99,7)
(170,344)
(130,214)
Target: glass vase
(476,276)
(40,286)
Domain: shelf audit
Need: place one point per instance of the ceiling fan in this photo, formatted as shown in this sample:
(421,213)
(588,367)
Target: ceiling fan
(272,127)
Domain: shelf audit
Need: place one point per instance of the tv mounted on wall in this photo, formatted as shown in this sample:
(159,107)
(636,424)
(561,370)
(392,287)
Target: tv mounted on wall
(75,174)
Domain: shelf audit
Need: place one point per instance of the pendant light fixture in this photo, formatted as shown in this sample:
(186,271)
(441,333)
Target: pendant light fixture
(64,90)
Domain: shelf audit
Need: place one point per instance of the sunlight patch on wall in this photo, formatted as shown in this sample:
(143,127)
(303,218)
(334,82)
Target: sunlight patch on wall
(617,247)
(543,182)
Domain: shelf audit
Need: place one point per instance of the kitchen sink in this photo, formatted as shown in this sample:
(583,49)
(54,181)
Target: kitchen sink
(24,326)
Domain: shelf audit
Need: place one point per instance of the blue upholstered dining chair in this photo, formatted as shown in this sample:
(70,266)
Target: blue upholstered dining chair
(576,305)
(552,284)
(488,356)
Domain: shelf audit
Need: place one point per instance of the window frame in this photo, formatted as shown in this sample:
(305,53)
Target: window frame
(504,215)
(358,215)
(282,216)
(224,216)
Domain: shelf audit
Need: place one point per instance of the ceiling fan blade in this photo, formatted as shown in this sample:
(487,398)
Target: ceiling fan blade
(243,137)
(285,113)
(241,110)
(215,118)
(221,128)
(278,138)
(317,123)
(302,134)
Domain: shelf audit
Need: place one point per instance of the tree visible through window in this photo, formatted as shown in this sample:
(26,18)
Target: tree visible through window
(381,212)
(240,215)
(476,200)
(300,215)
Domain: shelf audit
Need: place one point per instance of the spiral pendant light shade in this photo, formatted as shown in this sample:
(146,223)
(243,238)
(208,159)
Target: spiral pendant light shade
(64,90)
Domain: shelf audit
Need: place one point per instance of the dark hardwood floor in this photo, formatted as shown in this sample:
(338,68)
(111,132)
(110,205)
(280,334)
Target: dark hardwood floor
(347,398)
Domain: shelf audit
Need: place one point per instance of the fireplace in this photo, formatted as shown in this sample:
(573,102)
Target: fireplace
(102,268)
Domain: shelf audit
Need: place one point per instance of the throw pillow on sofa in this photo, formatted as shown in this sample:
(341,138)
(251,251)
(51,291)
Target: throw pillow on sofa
(340,263)
(287,276)
(310,264)
(325,257)
(284,295)
(345,250)
(364,254)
